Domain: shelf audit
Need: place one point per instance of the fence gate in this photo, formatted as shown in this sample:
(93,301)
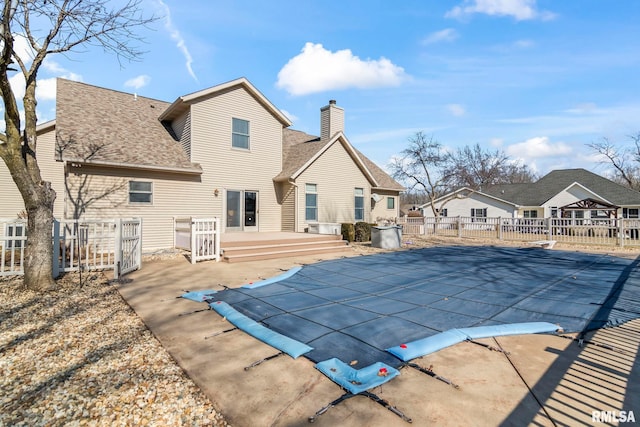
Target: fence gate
(129,253)
(205,239)
(78,245)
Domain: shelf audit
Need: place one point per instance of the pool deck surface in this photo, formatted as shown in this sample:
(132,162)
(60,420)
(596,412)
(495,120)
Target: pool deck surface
(543,380)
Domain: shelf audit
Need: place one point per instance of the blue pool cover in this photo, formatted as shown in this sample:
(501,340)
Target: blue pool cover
(355,309)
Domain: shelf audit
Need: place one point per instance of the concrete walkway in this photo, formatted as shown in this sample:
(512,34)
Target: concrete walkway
(544,380)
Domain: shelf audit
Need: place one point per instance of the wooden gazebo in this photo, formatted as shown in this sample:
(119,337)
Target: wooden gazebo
(610,210)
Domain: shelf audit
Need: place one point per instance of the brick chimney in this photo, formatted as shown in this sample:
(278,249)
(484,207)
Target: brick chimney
(331,120)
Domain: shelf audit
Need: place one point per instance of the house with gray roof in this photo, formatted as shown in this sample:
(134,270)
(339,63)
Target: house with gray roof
(224,152)
(567,193)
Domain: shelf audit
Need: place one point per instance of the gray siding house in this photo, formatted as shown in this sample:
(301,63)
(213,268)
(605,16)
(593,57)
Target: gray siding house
(223,152)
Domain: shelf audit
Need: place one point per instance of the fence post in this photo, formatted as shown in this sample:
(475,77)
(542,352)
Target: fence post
(549,228)
(621,232)
(118,250)
(216,225)
(56,249)
(194,249)
(499,228)
(459,226)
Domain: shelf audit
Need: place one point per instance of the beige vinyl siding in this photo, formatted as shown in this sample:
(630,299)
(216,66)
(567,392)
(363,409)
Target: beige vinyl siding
(51,170)
(337,177)
(106,190)
(10,198)
(182,129)
(227,168)
(379,209)
(288,201)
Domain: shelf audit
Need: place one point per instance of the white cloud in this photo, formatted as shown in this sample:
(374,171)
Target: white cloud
(138,82)
(316,69)
(22,48)
(538,147)
(46,89)
(521,10)
(496,142)
(584,108)
(456,110)
(177,37)
(446,35)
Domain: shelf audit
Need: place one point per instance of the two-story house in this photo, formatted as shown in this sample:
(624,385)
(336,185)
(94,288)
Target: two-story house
(223,152)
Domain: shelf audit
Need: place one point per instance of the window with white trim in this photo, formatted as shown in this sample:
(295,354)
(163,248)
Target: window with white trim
(311,202)
(478,214)
(391,202)
(533,213)
(140,192)
(240,133)
(630,213)
(14,230)
(359,204)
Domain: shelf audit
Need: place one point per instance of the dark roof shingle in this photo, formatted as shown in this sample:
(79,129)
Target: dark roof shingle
(100,125)
(536,194)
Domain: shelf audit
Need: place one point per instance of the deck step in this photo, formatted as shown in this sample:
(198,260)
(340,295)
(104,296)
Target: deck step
(281,248)
(283,253)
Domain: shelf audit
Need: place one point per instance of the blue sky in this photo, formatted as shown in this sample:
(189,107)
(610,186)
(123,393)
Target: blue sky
(537,79)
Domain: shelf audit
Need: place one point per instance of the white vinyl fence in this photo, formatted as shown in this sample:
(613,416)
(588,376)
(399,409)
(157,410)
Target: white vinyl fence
(200,236)
(84,245)
(612,232)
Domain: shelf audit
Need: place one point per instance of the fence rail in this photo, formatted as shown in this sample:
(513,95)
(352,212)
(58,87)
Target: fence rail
(83,245)
(611,232)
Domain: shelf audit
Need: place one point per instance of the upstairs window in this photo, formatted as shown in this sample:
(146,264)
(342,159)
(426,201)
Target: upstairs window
(630,213)
(359,203)
(530,214)
(140,192)
(391,203)
(311,202)
(240,134)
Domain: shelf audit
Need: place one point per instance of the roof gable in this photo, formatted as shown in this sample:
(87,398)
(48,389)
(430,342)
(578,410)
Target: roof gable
(183,103)
(300,150)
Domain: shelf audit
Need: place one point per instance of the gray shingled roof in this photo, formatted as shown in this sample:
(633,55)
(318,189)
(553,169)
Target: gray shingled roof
(105,126)
(538,193)
(299,147)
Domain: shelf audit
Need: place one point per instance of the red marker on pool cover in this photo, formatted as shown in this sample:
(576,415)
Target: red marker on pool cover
(403,346)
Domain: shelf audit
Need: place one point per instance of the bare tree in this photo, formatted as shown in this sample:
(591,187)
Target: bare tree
(478,169)
(625,160)
(50,27)
(422,167)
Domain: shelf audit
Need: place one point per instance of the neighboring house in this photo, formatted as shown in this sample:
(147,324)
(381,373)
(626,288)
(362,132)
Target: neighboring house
(221,152)
(568,193)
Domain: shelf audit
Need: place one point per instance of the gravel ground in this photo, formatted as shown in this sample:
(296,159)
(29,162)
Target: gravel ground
(81,356)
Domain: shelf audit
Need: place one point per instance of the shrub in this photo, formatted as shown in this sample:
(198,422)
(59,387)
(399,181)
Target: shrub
(362,231)
(414,214)
(348,232)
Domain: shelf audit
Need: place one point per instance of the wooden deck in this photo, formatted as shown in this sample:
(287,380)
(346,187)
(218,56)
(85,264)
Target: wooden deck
(237,247)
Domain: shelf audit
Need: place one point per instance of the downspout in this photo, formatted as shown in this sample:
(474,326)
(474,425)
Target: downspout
(295,204)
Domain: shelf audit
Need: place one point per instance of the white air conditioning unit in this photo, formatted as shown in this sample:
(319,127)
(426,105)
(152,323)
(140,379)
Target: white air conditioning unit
(376,197)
